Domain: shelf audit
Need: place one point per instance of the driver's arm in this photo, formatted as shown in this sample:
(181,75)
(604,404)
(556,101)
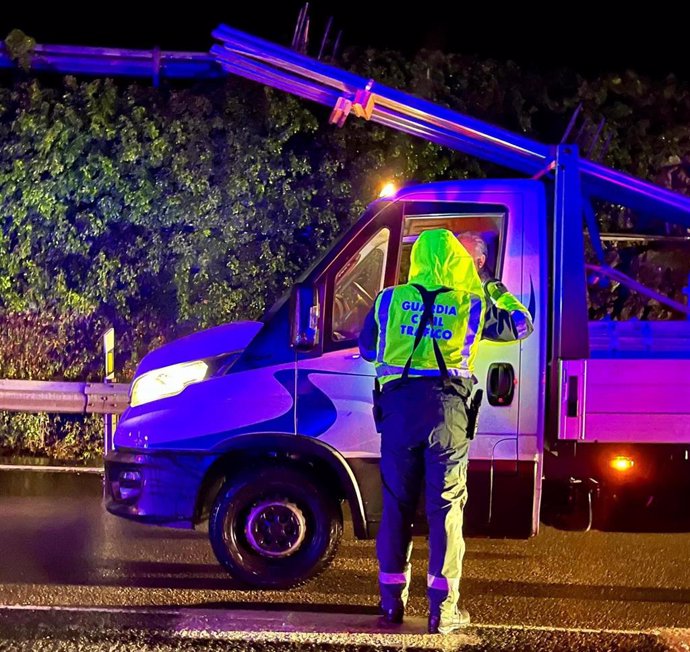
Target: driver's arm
(368,335)
(505,319)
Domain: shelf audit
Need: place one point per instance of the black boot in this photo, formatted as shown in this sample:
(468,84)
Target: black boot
(433,624)
(393,615)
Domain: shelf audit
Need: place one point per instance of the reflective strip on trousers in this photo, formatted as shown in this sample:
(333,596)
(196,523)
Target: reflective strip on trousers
(394,578)
(443,583)
(391,370)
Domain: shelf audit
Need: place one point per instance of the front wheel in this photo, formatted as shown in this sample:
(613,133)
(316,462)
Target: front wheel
(274,527)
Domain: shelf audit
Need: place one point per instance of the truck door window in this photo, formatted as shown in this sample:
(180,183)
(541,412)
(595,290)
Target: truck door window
(356,285)
(480,232)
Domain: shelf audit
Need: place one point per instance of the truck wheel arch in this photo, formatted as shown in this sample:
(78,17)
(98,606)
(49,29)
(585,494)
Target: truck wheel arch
(323,461)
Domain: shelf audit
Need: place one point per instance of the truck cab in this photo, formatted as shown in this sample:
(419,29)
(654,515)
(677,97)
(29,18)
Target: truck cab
(266,427)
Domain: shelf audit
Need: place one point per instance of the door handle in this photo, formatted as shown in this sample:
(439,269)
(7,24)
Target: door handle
(500,384)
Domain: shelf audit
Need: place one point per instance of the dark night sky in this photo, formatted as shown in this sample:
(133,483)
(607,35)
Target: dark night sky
(537,36)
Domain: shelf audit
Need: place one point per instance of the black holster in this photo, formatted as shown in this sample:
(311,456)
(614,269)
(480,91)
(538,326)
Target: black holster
(377,410)
(473,405)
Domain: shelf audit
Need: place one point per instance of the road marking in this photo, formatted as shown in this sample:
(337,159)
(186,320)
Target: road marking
(113,610)
(264,626)
(190,611)
(571,630)
(318,628)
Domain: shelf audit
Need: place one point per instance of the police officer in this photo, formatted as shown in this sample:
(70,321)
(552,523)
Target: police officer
(422,337)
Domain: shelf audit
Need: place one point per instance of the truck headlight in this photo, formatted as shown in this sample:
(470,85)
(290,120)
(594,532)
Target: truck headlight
(166,381)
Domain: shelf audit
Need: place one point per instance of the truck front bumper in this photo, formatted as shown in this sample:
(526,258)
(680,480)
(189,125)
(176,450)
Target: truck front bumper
(154,487)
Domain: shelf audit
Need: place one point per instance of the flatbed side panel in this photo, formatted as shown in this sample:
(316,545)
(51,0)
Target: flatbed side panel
(627,400)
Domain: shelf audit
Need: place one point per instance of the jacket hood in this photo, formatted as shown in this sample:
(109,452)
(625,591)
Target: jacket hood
(438,259)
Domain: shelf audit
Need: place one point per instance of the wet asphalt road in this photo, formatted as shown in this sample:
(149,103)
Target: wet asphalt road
(67,551)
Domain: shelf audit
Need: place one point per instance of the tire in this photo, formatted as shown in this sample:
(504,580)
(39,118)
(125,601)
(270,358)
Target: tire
(274,527)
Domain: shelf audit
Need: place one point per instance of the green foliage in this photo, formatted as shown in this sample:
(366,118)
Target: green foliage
(180,208)
(61,438)
(57,346)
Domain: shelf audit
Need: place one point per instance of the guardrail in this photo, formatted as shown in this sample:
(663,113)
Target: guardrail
(63,397)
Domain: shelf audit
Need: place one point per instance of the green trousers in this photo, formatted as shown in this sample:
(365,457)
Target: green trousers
(423,445)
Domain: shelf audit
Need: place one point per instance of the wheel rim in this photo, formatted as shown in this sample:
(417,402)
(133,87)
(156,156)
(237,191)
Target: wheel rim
(275,528)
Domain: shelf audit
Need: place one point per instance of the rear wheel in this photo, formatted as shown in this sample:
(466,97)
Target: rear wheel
(274,527)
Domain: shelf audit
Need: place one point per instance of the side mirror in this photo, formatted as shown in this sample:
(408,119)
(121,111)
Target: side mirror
(304,317)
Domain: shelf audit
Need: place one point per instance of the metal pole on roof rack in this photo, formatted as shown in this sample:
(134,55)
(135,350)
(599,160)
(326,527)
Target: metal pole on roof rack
(156,67)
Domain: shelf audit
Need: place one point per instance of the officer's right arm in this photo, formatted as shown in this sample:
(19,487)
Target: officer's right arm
(506,319)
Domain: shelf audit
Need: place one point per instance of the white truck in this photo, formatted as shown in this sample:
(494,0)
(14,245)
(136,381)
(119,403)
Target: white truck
(265,428)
